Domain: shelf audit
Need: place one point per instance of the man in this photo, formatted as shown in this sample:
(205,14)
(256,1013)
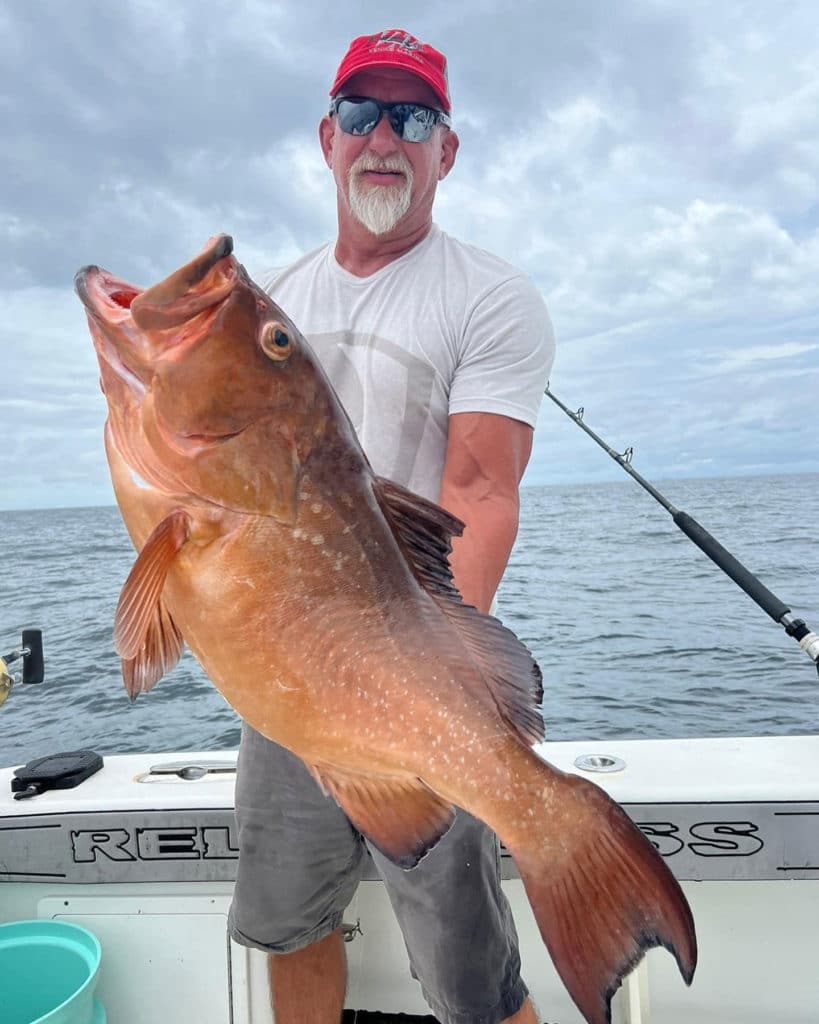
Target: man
(440,353)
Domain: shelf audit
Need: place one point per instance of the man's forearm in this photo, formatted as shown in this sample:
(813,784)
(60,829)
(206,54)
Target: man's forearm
(479,557)
(485,460)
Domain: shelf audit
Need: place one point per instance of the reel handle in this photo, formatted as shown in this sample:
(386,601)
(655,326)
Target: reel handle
(31,652)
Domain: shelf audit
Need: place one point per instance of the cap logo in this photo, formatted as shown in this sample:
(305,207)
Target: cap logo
(395,41)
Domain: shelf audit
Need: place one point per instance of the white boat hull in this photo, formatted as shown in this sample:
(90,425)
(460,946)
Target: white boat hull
(146,860)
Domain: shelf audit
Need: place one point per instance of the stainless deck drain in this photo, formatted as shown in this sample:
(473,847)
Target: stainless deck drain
(599,763)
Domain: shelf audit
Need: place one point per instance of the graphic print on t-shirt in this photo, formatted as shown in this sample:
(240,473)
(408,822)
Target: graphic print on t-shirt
(387,392)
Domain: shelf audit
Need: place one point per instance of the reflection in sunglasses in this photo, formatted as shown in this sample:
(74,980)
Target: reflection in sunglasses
(411,122)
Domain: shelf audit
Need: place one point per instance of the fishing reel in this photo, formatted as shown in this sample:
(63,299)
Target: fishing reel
(31,652)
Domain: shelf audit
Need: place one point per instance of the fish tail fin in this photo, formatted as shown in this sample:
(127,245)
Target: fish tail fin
(602,896)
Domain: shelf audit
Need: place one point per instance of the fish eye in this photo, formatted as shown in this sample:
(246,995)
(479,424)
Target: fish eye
(276,341)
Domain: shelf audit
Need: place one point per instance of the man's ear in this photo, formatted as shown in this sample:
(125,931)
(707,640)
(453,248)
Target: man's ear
(449,149)
(327,130)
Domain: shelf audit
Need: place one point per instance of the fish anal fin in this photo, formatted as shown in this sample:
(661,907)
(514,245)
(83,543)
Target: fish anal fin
(424,531)
(159,653)
(401,817)
(602,897)
(142,626)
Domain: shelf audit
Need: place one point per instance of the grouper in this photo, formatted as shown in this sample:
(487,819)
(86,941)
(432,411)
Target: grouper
(318,598)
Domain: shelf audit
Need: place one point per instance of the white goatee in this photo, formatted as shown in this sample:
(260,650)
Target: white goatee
(379,207)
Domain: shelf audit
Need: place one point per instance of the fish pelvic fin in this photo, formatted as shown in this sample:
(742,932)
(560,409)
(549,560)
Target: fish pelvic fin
(602,896)
(145,635)
(161,651)
(424,532)
(401,817)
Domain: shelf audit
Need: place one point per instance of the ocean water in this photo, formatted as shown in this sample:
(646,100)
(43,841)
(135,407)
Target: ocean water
(637,633)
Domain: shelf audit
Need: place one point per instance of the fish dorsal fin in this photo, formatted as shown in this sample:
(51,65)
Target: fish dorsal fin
(511,672)
(145,636)
(424,531)
(401,817)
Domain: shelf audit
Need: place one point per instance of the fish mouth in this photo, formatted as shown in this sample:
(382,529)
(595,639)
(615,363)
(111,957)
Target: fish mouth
(106,297)
(135,328)
(197,286)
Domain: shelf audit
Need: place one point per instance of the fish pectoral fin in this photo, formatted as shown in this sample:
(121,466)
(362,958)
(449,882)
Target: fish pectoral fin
(424,531)
(401,817)
(145,636)
(161,650)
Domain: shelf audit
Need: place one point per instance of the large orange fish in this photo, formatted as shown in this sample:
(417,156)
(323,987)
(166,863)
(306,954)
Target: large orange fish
(319,600)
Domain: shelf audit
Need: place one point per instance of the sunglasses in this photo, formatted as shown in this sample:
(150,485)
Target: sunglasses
(411,122)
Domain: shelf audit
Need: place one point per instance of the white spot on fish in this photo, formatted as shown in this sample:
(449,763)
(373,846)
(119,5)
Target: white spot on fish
(137,479)
(317,538)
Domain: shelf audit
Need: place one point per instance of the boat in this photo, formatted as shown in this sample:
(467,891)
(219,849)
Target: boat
(143,853)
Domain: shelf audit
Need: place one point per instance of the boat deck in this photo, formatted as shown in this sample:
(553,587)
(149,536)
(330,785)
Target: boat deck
(144,854)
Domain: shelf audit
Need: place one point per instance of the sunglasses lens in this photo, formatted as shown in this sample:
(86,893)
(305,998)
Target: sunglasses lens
(416,124)
(359,117)
(412,122)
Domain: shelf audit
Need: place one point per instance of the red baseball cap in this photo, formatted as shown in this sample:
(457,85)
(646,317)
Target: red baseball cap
(395,48)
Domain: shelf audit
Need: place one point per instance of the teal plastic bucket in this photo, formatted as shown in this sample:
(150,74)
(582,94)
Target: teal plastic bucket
(48,973)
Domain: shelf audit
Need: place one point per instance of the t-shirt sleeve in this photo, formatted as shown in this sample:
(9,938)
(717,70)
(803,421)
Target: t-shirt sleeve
(508,348)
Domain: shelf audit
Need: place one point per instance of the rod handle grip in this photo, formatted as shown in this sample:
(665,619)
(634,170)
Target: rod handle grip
(767,601)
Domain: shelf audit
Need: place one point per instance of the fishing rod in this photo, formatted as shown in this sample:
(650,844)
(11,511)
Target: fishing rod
(768,602)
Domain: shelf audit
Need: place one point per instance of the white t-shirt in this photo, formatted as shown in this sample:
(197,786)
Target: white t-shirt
(446,328)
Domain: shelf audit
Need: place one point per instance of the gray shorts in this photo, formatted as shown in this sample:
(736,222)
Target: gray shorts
(301,860)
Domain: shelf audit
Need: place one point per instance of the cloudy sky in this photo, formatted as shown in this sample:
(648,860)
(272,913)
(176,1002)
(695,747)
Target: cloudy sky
(653,164)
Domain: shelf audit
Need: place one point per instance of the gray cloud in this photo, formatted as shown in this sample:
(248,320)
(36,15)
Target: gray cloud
(653,165)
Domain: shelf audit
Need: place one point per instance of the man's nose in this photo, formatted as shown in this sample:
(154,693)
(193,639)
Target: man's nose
(383,139)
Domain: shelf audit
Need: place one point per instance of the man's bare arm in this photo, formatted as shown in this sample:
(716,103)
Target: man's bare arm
(485,459)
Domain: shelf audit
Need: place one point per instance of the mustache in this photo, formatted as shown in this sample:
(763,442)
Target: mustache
(370,162)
